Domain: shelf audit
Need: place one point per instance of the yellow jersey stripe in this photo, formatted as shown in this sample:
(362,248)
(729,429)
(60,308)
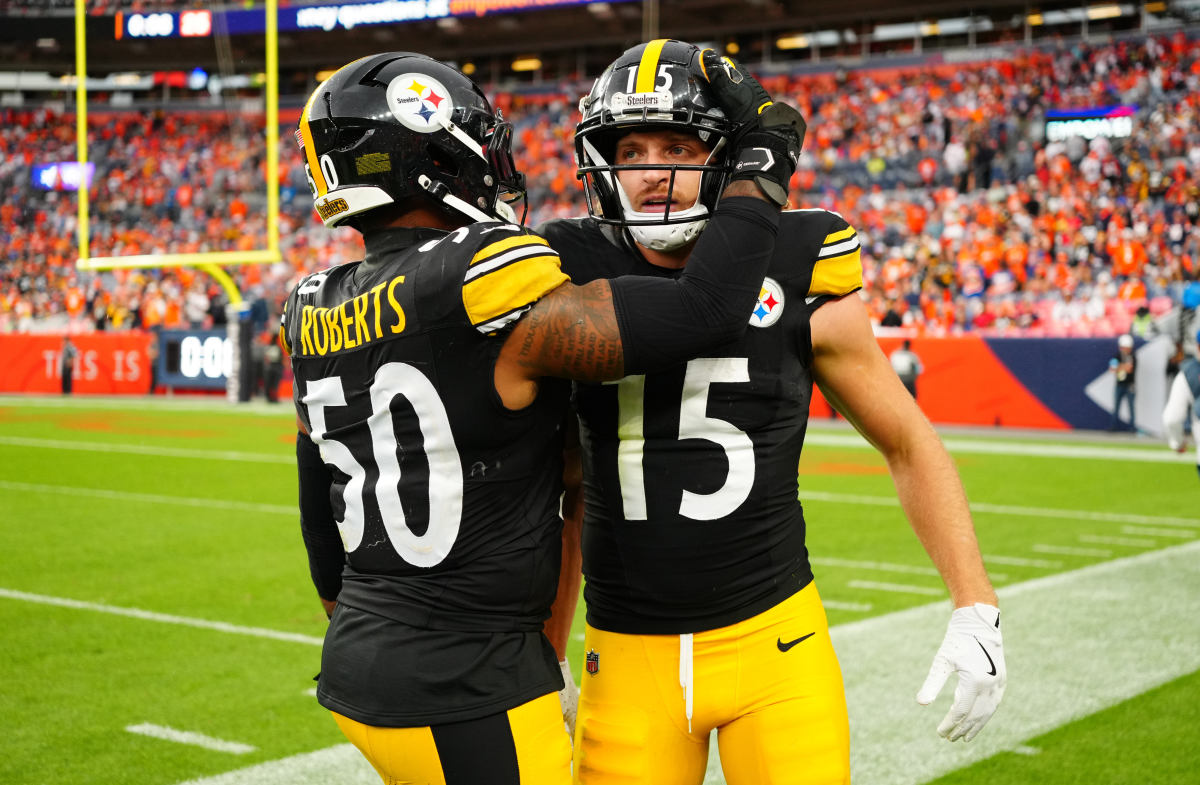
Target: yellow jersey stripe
(508,243)
(835,237)
(837,275)
(647,73)
(511,287)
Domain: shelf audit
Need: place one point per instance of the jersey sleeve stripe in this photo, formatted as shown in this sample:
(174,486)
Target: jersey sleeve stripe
(508,243)
(837,249)
(837,275)
(835,237)
(499,322)
(513,286)
(489,265)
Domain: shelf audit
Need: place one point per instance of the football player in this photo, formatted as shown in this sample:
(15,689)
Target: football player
(430,453)
(702,612)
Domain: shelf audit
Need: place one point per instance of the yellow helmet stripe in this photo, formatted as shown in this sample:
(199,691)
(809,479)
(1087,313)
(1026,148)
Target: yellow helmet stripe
(647,73)
(310,153)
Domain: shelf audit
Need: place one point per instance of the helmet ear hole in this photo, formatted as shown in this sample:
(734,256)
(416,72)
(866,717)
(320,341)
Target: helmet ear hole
(445,161)
(347,138)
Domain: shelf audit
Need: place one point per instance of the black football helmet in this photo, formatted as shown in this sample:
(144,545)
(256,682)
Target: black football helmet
(657,85)
(399,125)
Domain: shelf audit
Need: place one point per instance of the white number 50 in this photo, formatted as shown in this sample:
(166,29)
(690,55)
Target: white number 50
(445,468)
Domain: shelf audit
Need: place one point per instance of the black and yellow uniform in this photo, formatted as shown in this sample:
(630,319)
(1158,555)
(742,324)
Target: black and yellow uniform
(444,499)
(693,529)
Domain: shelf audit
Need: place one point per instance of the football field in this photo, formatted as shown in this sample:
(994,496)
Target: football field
(159,626)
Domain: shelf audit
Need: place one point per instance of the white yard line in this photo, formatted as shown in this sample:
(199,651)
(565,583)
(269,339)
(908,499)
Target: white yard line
(1181,534)
(1056,675)
(1028,449)
(911,569)
(898,588)
(190,737)
(1128,542)
(1067,550)
(838,605)
(157,403)
(149,498)
(1008,509)
(145,449)
(883,566)
(341,764)
(1021,561)
(164,618)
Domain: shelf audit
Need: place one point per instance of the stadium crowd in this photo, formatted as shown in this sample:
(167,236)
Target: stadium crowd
(970,217)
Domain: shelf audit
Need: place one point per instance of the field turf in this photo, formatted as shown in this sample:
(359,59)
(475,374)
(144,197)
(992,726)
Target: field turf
(154,583)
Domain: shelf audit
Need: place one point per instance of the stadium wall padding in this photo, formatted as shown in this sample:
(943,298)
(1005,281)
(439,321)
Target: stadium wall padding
(106,363)
(1048,383)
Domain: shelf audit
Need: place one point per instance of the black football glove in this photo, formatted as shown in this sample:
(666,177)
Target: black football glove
(767,135)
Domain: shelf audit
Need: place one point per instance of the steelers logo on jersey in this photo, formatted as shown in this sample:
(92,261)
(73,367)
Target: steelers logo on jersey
(770,304)
(420,102)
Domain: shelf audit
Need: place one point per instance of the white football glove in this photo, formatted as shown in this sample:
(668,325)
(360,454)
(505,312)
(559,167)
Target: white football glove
(973,648)
(568,697)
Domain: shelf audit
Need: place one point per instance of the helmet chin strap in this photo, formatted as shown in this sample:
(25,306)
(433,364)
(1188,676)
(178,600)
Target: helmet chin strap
(662,236)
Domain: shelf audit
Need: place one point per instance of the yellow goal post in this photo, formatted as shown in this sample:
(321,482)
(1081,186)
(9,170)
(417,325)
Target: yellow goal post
(210,261)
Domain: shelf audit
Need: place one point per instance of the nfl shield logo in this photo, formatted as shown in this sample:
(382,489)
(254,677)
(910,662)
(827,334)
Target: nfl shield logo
(593,662)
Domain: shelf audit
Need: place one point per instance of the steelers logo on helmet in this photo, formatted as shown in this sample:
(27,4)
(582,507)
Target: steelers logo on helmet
(420,102)
(769,308)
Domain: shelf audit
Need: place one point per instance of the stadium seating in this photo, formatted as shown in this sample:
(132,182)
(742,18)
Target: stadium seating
(970,219)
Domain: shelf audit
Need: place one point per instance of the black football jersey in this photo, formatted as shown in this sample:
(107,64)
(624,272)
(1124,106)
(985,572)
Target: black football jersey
(446,501)
(690,474)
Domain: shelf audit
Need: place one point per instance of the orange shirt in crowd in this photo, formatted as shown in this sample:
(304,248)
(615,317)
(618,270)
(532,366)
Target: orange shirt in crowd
(1129,259)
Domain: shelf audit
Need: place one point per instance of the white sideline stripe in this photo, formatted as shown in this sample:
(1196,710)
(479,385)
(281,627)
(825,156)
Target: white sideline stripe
(152,498)
(1034,450)
(1063,666)
(1024,749)
(1067,550)
(1008,509)
(1182,534)
(165,618)
(1020,561)
(838,605)
(1130,542)
(144,449)
(1057,676)
(900,588)
(189,737)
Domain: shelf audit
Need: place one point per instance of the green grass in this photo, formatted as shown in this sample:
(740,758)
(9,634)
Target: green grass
(1146,740)
(114,528)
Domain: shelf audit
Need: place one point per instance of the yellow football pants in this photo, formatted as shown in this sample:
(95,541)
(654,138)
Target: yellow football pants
(770,685)
(527,745)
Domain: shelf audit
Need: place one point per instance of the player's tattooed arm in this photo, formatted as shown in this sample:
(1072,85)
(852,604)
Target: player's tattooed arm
(571,332)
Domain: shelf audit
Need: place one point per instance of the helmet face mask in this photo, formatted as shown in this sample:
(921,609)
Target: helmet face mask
(399,127)
(652,87)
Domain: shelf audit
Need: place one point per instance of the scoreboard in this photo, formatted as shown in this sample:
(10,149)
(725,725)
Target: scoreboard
(200,23)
